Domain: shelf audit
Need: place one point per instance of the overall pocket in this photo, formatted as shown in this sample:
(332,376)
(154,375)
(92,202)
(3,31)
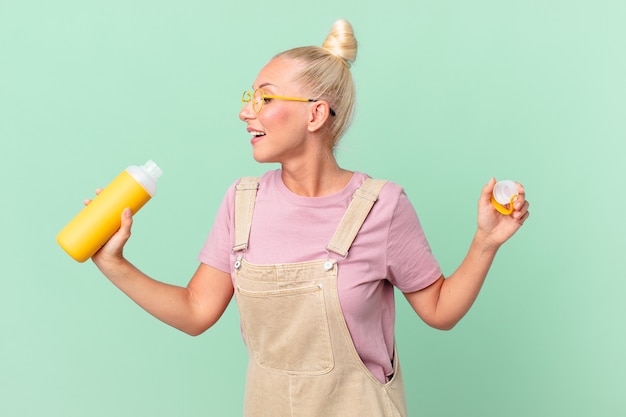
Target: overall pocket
(287,330)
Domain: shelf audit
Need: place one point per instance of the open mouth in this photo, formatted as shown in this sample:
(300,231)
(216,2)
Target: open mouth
(256,136)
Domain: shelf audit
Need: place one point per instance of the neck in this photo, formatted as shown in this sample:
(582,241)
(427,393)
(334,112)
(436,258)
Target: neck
(315,178)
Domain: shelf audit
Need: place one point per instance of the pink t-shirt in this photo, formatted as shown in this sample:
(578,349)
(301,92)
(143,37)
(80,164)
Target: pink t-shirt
(390,250)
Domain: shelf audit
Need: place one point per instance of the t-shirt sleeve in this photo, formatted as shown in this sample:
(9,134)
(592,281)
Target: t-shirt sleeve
(411,265)
(218,245)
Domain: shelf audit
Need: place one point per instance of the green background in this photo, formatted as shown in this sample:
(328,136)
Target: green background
(450,93)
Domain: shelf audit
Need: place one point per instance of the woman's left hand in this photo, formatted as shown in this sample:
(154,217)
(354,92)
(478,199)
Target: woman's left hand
(497,227)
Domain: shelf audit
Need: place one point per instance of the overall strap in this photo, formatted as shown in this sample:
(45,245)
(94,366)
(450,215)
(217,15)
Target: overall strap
(244,207)
(362,201)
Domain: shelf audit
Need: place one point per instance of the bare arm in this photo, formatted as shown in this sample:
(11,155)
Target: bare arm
(444,303)
(192,309)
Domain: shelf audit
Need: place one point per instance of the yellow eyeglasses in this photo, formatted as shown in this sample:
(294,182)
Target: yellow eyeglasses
(258,98)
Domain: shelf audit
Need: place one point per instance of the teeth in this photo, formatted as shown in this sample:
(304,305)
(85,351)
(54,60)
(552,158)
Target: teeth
(257,133)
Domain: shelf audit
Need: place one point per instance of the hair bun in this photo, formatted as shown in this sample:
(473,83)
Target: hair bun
(341,41)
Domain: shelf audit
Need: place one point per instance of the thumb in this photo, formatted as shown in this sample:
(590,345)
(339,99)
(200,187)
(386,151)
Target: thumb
(488,190)
(114,247)
(127,222)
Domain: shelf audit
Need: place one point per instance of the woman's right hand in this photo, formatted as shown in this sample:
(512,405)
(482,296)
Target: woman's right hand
(113,249)
(191,309)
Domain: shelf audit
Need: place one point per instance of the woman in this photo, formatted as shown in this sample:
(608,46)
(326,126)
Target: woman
(312,253)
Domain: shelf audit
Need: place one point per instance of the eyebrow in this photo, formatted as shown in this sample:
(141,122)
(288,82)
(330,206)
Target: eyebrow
(264,85)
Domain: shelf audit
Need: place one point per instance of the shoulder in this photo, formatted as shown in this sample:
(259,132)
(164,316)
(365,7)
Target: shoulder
(389,194)
(391,206)
(228,201)
(263,180)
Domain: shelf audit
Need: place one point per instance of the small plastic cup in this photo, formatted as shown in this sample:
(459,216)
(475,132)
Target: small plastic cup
(504,195)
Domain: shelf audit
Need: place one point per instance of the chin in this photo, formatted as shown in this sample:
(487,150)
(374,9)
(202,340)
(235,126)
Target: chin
(263,158)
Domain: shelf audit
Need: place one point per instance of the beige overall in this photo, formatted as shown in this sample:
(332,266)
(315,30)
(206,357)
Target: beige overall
(302,359)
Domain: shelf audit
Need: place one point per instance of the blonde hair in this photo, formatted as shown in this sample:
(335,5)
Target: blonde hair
(326,73)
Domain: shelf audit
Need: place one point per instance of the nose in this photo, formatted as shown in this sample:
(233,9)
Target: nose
(247,112)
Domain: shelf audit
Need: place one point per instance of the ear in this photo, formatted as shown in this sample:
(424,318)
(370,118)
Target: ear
(319,114)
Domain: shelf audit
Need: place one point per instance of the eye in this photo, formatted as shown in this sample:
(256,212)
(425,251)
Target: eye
(266,100)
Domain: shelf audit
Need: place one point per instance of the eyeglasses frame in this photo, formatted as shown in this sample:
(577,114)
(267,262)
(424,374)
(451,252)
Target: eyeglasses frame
(248,96)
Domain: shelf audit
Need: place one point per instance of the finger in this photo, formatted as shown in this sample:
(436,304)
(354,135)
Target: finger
(522,213)
(127,222)
(488,190)
(89,200)
(521,197)
(523,219)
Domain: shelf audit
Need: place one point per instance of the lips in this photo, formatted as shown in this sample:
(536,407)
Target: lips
(257,135)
